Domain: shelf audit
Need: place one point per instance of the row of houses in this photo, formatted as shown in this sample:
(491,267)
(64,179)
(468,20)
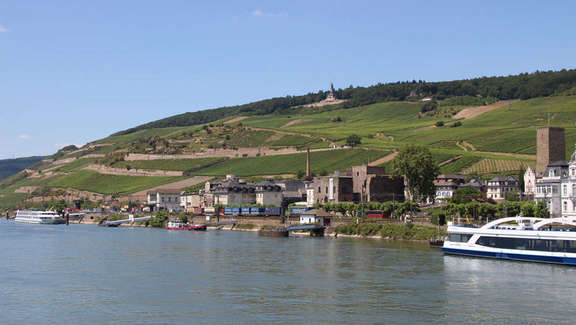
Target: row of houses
(495,188)
(225,192)
(360,183)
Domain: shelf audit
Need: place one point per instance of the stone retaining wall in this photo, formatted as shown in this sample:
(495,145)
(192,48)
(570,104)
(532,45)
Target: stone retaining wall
(216,153)
(132,172)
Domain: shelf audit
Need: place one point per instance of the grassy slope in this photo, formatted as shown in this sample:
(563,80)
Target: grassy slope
(91,181)
(177,164)
(508,129)
(76,164)
(289,164)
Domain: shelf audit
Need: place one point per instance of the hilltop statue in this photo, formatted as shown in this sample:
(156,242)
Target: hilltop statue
(329,100)
(330,97)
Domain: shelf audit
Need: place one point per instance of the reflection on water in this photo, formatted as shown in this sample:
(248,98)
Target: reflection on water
(91,275)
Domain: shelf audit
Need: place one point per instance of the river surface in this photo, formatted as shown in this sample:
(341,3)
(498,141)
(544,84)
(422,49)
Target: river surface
(84,274)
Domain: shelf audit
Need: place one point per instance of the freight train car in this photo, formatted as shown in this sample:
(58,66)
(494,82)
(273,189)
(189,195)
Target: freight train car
(377,214)
(252,211)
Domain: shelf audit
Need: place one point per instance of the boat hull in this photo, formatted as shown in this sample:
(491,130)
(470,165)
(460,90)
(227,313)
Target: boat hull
(511,256)
(41,222)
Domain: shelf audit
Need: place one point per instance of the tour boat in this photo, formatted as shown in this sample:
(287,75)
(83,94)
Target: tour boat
(38,217)
(177,225)
(517,238)
(198,227)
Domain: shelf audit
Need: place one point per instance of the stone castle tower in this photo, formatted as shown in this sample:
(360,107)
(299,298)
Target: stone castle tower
(550,147)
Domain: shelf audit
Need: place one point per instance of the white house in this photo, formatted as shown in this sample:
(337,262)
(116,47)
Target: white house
(189,201)
(499,186)
(319,217)
(164,200)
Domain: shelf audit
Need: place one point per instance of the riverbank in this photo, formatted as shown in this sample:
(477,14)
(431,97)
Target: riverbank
(377,231)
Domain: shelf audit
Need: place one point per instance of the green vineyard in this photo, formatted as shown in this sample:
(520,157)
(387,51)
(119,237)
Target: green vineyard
(491,166)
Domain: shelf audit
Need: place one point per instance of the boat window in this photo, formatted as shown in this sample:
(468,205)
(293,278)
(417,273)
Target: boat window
(462,238)
(547,245)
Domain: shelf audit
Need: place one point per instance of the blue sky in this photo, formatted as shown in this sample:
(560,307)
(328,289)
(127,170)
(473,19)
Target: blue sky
(76,71)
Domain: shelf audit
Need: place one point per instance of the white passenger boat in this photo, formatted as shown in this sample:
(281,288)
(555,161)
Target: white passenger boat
(41,217)
(524,239)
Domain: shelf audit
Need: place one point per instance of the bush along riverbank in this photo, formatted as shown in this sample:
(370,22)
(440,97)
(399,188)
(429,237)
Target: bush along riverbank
(408,231)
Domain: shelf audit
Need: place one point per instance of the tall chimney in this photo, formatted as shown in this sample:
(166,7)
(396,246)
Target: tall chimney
(308,174)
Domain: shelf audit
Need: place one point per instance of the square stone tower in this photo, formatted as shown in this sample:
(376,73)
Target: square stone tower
(550,147)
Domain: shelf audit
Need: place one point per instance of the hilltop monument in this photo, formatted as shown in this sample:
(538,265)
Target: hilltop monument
(329,100)
(330,97)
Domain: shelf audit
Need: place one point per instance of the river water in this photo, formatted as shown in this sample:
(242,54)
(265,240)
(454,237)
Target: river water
(84,274)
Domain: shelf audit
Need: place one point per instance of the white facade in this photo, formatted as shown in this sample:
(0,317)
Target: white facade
(445,190)
(529,182)
(310,197)
(164,200)
(306,219)
(498,187)
(189,201)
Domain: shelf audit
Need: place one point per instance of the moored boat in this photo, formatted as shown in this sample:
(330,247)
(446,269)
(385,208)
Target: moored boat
(198,227)
(39,217)
(177,225)
(517,238)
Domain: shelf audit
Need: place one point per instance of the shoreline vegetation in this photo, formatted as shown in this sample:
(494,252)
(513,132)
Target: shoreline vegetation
(386,231)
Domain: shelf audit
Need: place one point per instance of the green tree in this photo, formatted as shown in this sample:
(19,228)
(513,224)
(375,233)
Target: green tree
(159,220)
(528,209)
(353,140)
(183,218)
(541,210)
(513,196)
(419,169)
(466,194)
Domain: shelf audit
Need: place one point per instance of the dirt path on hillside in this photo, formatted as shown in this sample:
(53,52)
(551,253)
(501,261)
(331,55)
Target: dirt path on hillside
(236,119)
(384,159)
(293,122)
(307,135)
(449,161)
(472,112)
(275,137)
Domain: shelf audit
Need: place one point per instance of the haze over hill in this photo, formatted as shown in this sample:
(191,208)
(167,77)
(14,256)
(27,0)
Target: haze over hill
(9,167)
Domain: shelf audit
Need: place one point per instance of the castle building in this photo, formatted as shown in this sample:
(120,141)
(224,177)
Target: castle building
(550,147)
